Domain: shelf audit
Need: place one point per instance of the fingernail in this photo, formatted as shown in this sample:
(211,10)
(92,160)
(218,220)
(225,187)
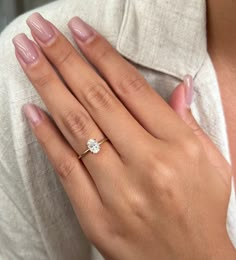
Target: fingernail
(188,82)
(80,29)
(25,48)
(32,114)
(40,27)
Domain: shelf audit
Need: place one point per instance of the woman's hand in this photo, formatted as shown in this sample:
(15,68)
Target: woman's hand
(160,188)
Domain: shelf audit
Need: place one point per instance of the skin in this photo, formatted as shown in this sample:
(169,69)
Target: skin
(221,46)
(133,202)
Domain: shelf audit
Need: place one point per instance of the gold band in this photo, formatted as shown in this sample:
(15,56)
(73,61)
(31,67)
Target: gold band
(89,150)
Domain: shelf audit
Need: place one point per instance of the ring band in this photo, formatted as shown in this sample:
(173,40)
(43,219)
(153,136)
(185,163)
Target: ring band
(93,147)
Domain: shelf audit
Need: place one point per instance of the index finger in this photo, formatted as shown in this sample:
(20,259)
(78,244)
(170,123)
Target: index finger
(140,98)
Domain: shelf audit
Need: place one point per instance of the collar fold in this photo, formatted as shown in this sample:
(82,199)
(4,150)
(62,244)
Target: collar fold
(167,36)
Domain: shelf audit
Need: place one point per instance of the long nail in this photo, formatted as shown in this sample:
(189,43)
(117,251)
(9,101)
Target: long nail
(40,27)
(188,82)
(25,48)
(32,114)
(80,29)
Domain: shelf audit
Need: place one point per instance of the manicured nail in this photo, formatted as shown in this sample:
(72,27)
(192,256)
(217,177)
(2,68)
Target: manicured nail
(188,82)
(40,27)
(32,114)
(80,29)
(25,48)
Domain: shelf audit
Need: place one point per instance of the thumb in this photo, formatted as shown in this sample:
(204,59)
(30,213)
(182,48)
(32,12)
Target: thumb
(180,101)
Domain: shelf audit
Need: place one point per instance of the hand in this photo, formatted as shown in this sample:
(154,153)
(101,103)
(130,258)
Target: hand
(159,189)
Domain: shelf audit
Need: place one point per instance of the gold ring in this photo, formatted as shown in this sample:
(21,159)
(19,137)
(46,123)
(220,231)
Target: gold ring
(93,146)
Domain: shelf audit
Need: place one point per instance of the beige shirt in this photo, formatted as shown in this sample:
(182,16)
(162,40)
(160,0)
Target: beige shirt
(165,40)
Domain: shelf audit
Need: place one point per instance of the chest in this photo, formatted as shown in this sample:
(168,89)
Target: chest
(226,74)
(229,105)
(228,94)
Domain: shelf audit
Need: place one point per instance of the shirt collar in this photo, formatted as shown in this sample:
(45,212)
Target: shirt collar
(166,36)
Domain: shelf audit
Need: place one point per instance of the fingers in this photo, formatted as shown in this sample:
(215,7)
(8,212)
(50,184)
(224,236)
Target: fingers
(180,101)
(141,99)
(87,86)
(70,116)
(73,175)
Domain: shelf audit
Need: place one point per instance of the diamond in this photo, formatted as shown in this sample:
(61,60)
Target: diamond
(93,146)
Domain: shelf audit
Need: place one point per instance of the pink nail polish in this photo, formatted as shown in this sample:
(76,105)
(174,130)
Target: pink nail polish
(32,114)
(40,27)
(80,29)
(188,82)
(25,48)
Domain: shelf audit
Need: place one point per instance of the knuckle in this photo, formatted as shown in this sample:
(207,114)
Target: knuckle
(165,186)
(95,228)
(131,83)
(191,122)
(77,122)
(137,204)
(153,163)
(97,97)
(44,80)
(104,51)
(98,232)
(192,147)
(162,177)
(45,139)
(64,57)
(66,167)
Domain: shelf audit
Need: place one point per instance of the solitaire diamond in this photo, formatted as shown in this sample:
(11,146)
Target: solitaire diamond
(93,146)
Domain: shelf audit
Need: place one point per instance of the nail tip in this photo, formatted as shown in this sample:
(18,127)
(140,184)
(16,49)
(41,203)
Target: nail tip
(188,82)
(75,20)
(40,27)
(18,36)
(33,15)
(81,30)
(188,76)
(24,109)
(71,21)
(29,107)
(31,18)
(25,106)
(32,113)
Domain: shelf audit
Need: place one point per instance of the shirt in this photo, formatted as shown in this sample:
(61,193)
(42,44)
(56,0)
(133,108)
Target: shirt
(164,40)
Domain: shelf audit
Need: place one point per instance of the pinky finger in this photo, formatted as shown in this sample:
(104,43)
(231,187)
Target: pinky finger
(75,179)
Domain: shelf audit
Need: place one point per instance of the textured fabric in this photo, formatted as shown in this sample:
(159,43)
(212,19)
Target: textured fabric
(164,40)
